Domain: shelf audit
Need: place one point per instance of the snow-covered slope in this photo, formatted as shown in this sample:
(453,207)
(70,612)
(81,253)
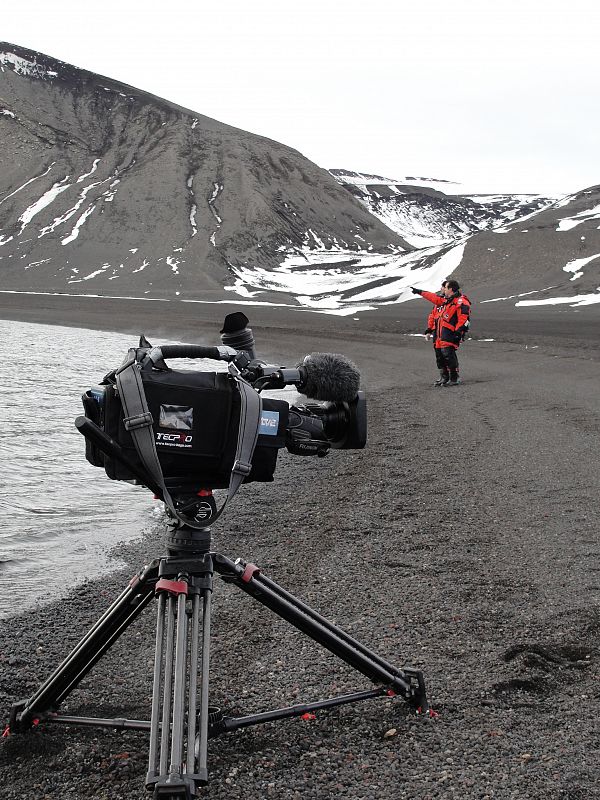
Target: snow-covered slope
(428,211)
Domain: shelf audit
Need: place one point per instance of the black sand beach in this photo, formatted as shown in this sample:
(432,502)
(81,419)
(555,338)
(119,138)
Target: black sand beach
(463,541)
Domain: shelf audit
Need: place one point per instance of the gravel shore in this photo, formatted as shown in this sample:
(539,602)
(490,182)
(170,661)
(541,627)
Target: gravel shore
(462,541)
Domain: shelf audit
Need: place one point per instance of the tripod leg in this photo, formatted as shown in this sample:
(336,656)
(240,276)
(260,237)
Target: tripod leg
(408,682)
(193,687)
(179,687)
(202,763)
(175,746)
(155,713)
(88,651)
(167,688)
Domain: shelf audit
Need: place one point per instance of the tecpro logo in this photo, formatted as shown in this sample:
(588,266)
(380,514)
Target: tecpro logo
(177,439)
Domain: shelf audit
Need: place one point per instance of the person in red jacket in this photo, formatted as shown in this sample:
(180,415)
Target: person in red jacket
(431,318)
(448,322)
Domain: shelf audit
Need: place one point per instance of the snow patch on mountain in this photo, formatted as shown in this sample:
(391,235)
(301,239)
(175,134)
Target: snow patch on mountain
(35,178)
(23,66)
(568,223)
(91,172)
(75,232)
(573,301)
(577,264)
(41,203)
(50,195)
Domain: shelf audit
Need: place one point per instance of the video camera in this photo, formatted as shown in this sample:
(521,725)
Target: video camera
(183,433)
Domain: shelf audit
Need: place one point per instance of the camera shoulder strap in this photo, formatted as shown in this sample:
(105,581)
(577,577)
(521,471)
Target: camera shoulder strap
(138,422)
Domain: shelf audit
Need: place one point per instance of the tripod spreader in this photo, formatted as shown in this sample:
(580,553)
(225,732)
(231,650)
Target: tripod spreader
(181,719)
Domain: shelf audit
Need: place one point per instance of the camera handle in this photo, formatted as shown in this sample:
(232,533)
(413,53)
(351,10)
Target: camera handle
(153,357)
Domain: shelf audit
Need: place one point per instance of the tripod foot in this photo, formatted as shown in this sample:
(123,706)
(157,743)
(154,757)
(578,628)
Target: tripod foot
(418,697)
(428,713)
(18,723)
(178,787)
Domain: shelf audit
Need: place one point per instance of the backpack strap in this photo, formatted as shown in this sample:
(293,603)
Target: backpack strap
(138,421)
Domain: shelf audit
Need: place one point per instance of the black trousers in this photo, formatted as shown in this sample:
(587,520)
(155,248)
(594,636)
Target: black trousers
(446,359)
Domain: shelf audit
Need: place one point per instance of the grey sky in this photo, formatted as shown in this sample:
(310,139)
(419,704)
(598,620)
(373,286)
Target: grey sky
(501,96)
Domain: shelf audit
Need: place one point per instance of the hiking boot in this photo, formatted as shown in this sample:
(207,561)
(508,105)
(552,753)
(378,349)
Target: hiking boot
(453,382)
(442,380)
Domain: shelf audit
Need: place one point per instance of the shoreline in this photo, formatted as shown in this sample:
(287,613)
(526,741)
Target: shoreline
(573,329)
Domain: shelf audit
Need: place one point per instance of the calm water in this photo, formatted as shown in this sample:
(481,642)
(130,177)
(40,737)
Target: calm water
(58,515)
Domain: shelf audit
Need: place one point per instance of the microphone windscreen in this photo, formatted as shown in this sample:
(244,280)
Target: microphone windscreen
(329,376)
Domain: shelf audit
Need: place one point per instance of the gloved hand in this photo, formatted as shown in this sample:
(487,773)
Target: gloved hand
(428,332)
(416,291)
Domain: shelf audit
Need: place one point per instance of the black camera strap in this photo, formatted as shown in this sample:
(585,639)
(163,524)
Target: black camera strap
(138,422)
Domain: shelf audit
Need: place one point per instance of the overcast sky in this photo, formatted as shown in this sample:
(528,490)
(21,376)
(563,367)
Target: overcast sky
(501,96)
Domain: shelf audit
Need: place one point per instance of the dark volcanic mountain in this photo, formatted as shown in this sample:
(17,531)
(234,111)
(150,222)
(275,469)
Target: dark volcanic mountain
(104,188)
(553,253)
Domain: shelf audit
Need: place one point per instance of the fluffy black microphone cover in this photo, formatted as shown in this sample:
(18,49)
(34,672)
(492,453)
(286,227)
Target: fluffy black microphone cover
(329,376)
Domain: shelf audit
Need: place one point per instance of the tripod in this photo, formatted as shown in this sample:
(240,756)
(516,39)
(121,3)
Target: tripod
(181,719)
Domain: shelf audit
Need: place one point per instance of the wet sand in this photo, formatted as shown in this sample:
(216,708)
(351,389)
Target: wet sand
(463,540)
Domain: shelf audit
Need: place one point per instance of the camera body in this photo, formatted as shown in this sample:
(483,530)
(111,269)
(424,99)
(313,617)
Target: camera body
(195,422)
(183,433)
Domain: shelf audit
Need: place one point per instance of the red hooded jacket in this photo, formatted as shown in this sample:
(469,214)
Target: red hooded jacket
(447,318)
